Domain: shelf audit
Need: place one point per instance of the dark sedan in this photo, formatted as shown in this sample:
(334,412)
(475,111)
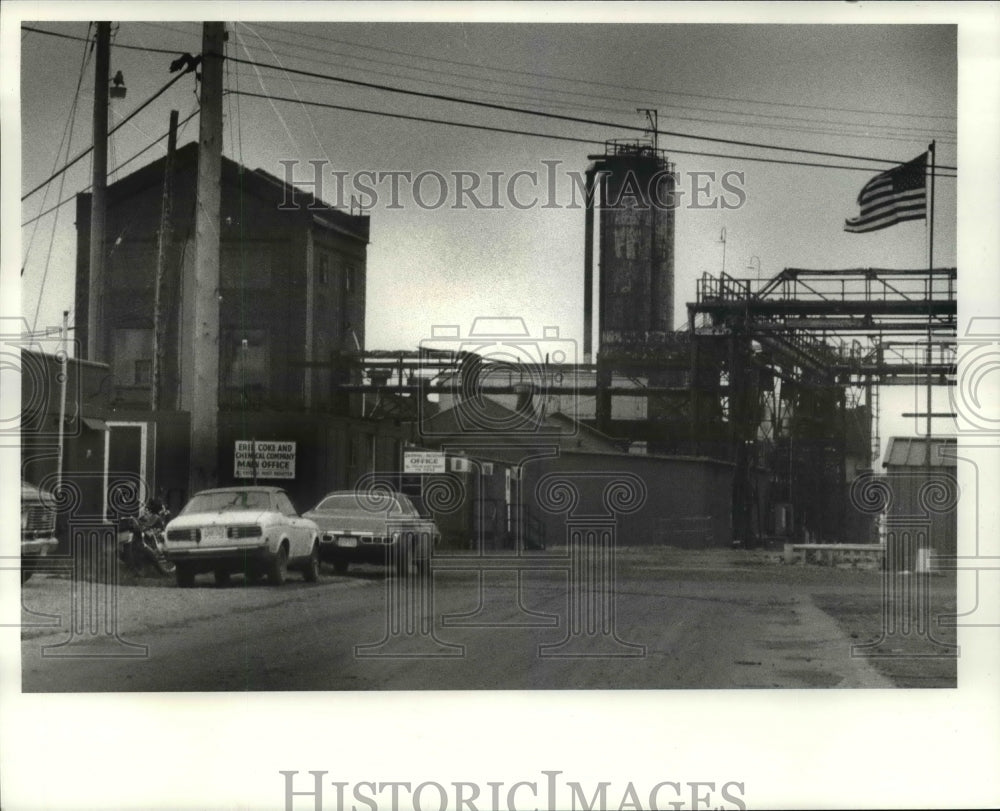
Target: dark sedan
(373,527)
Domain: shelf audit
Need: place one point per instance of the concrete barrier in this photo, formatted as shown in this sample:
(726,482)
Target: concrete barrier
(832,553)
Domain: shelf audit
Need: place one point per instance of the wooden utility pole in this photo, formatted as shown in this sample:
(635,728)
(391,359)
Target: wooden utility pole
(201,288)
(98,198)
(163,243)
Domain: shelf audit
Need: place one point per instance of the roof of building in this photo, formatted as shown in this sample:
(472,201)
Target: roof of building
(258,182)
(906,451)
(480,416)
(248,488)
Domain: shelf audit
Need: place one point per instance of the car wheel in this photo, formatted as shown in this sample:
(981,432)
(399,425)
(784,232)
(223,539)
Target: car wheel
(340,566)
(222,577)
(278,569)
(185,576)
(311,571)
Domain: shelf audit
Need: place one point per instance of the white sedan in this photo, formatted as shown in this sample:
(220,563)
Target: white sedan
(253,530)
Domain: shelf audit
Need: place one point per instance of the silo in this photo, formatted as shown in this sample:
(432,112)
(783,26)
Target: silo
(635,188)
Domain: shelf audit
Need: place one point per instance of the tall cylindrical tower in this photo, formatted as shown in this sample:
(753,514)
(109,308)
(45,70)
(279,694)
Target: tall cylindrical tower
(636,233)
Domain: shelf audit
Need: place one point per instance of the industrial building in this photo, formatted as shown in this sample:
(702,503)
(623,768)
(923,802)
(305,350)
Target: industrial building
(773,381)
(291,301)
(749,423)
(922,498)
(292,288)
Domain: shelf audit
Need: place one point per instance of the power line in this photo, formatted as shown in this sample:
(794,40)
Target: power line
(172,52)
(120,166)
(299,46)
(603,84)
(557,116)
(512,131)
(915,133)
(550,104)
(572,119)
(52,234)
(67,140)
(114,129)
(586,94)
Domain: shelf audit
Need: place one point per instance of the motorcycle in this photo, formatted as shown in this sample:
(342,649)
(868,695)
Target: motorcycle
(143,546)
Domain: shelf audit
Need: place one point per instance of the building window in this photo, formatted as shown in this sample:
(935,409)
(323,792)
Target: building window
(245,366)
(350,279)
(143,372)
(323,269)
(133,358)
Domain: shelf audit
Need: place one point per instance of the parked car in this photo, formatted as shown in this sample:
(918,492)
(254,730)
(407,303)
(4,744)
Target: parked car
(373,527)
(38,527)
(254,530)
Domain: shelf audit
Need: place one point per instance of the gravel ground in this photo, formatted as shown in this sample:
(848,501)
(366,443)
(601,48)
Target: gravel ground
(853,596)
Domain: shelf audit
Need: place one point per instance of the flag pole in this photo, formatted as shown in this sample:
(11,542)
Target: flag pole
(930,247)
(930,301)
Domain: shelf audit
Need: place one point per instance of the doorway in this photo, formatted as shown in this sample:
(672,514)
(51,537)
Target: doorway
(125,451)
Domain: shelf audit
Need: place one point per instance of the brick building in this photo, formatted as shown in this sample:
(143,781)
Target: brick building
(291,298)
(292,287)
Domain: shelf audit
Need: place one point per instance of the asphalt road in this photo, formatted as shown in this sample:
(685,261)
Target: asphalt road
(710,622)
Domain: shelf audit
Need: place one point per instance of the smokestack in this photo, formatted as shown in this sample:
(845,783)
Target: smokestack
(588,267)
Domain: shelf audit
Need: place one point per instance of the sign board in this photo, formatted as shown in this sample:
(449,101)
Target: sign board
(272,459)
(423,462)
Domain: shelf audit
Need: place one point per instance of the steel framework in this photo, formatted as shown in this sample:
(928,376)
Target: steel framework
(778,376)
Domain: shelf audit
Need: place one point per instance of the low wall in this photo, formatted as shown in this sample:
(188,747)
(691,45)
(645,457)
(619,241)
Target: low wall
(687,500)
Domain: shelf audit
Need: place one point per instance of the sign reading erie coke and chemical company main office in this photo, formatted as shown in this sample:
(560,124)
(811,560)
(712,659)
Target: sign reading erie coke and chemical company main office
(263,460)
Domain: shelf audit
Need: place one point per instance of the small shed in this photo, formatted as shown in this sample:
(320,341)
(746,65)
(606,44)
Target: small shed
(922,510)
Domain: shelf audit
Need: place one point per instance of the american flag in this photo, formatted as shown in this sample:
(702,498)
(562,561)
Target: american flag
(896,195)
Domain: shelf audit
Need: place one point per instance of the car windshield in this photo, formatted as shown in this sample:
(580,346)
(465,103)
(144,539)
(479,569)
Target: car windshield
(228,500)
(373,502)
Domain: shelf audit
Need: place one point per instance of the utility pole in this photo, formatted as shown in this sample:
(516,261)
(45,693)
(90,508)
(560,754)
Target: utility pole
(162,251)
(63,358)
(98,198)
(201,288)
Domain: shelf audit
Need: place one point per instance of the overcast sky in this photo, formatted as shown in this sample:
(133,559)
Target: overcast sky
(893,89)
(862,91)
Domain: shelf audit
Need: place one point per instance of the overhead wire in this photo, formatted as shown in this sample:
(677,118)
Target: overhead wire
(590,82)
(550,136)
(260,81)
(753,124)
(572,119)
(171,51)
(308,118)
(66,141)
(111,131)
(52,233)
(588,94)
(574,105)
(118,167)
